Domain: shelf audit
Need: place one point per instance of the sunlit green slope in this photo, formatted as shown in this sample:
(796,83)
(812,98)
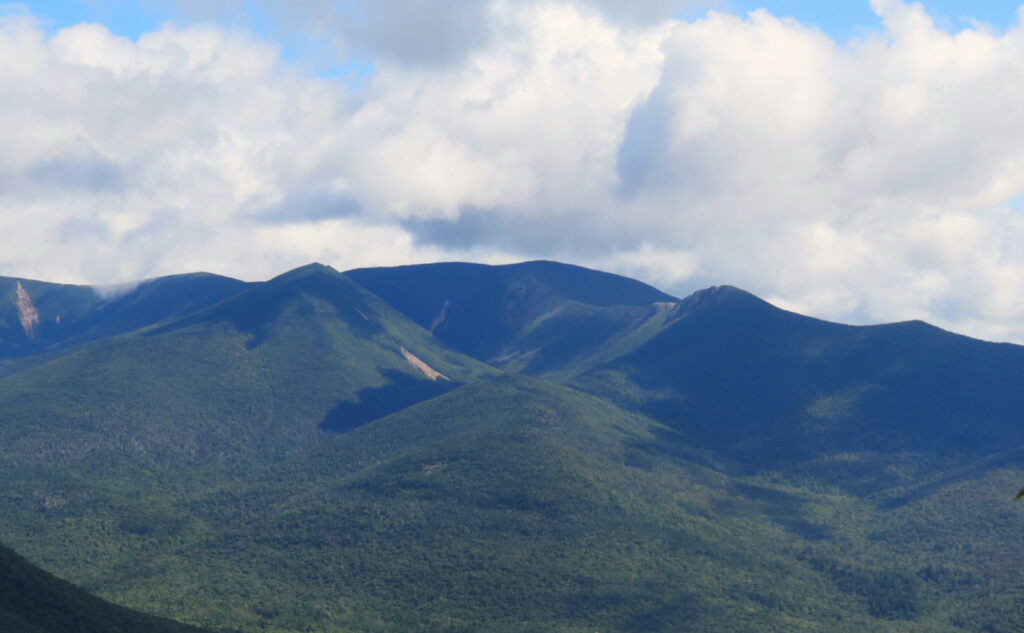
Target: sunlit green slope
(513,504)
(117,437)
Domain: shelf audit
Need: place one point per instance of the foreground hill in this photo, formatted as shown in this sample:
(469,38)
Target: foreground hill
(518,505)
(533,317)
(33,601)
(513,504)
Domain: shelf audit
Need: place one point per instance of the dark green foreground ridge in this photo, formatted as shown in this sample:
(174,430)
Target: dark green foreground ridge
(305,455)
(33,601)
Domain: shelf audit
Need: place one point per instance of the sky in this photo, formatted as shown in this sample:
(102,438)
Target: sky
(860,162)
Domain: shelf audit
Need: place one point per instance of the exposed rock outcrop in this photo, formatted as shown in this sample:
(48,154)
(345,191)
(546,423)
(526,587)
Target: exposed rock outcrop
(427,370)
(27,313)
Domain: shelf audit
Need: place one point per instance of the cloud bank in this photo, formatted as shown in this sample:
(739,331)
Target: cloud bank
(872,180)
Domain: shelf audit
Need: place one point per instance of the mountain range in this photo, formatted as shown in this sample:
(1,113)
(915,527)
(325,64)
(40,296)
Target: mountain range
(531,447)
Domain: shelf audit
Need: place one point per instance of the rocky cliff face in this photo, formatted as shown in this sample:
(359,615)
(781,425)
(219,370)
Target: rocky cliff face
(27,313)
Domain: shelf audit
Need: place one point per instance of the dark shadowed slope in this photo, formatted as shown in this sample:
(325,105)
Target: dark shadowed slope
(33,601)
(768,387)
(533,317)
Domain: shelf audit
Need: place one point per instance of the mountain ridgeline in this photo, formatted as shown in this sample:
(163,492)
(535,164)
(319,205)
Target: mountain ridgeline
(531,317)
(38,316)
(769,389)
(533,447)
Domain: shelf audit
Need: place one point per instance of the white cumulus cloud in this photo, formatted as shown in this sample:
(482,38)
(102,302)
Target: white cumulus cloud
(870,180)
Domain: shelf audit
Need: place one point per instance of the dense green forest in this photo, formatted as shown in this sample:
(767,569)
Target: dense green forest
(303,456)
(33,601)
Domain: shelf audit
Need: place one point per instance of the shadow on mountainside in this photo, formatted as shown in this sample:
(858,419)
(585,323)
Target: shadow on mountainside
(400,391)
(1012,457)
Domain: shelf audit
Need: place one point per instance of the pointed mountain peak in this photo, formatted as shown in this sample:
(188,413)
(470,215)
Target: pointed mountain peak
(256,307)
(314,279)
(316,269)
(720,294)
(726,297)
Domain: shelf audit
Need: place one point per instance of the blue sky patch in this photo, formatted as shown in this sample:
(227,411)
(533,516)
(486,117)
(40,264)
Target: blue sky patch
(841,20)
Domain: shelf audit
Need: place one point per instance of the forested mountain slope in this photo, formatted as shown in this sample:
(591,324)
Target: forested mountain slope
(302,455)
(770,389)
(33,601)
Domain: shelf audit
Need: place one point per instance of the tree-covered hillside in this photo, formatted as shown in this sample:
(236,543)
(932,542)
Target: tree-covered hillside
(33,601)
(302,456)
(769,389)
